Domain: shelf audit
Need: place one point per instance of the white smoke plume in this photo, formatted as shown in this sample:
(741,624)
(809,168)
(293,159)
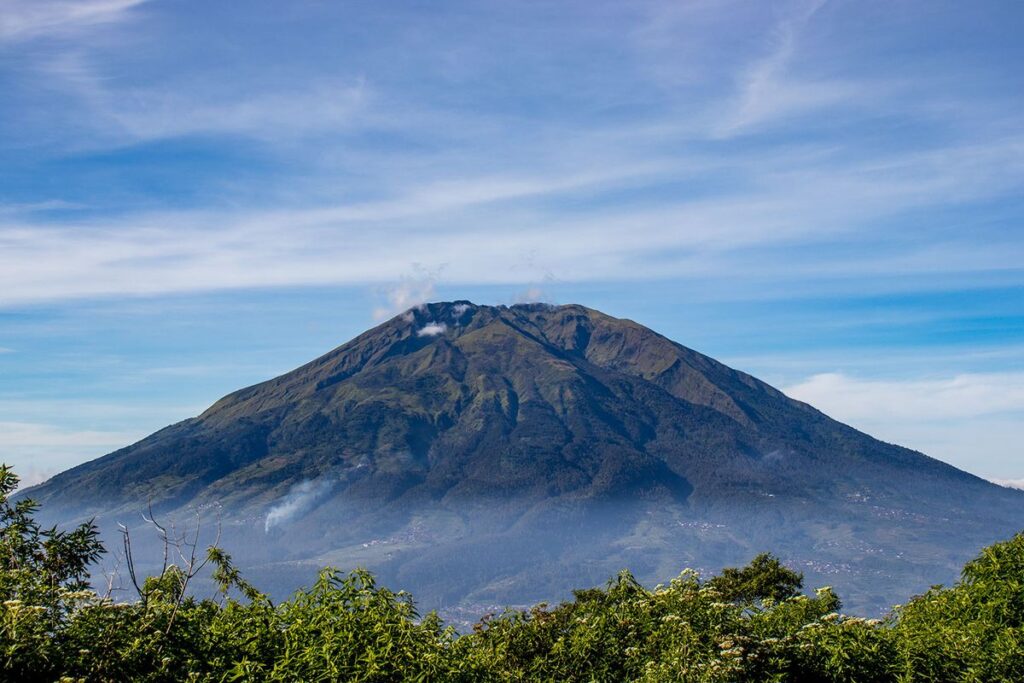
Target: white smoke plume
(1010,483)
(298,500)
(532,295)
(408,293)
(431,330)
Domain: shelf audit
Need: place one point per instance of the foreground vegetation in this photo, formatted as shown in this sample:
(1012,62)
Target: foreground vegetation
(750,624)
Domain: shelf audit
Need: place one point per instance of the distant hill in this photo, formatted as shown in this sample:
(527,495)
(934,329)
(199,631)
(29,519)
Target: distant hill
(483,455)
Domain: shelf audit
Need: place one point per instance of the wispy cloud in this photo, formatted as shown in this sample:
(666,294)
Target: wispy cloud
(971,420)
(47,433)
(487,225)
(33,207)
(31,413)
(20,434)
(768,91)
(39,450)
(27,19)
(968,395)
(120,113)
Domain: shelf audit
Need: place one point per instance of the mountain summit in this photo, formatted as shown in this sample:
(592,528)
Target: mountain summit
(480,454)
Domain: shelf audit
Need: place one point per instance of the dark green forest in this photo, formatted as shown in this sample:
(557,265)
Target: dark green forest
(747,624)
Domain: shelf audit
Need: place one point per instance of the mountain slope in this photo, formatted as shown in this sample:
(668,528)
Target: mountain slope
(504,454)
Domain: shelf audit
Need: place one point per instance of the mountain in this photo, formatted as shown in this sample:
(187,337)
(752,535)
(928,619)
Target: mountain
(482,455)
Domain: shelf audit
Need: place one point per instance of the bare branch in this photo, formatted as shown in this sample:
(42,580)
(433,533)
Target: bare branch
(129,560)
(192,569)
(163,534)
(112,575)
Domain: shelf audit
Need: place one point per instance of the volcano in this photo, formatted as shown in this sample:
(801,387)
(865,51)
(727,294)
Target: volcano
(492,455)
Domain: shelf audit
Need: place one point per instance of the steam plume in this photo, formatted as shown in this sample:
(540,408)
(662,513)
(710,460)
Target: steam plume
(298,500)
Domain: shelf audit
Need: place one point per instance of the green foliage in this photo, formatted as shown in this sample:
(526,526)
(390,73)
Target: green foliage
(973,631)
(765,578)
(747,624)
(36,562)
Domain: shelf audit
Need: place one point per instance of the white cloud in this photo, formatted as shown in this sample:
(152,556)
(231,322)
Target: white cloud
(4,349)
(431,330)
(963,396)
(32,474)
(971,420)
(27,19)
(37,451)
(15,435)
(116,416)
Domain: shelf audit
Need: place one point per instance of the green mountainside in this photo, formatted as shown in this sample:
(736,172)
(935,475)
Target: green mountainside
(486,455)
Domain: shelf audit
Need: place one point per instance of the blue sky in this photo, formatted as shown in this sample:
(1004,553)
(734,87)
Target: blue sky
(195,197)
